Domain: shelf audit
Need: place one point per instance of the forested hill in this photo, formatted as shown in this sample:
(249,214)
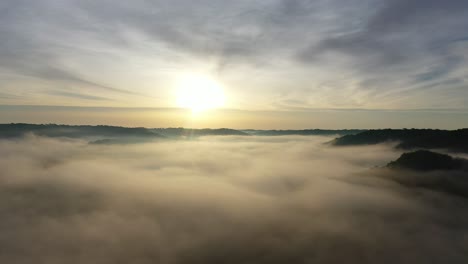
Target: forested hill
(453,140)
(429,170)
(424,160)
(53,130)
(304,132)
(105,132)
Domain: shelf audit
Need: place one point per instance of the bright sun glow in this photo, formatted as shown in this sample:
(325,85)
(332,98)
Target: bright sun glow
(199,93)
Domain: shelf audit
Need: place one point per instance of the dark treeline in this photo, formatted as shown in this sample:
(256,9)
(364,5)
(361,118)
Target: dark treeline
(53,130)
(453,140)
(105,132)
(430,170)
(304,132)
(424,160)
(187,132)
(456,140)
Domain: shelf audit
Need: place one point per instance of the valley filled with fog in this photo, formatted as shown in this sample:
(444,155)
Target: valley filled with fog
(222,199)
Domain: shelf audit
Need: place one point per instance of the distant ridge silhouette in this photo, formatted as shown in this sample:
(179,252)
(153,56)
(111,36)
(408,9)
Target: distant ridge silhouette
(453,140)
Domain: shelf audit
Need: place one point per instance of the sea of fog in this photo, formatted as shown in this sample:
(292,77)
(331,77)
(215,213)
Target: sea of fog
(219,200)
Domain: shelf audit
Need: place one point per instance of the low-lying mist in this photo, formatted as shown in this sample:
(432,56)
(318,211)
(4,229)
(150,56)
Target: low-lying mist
(219,200)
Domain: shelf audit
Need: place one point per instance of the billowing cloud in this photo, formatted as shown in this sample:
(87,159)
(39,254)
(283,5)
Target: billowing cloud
(218,200)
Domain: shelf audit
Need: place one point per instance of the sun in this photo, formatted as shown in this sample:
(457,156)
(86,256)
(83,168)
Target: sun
(199,93)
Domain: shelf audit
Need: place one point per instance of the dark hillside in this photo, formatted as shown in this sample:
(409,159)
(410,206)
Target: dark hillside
(454,140)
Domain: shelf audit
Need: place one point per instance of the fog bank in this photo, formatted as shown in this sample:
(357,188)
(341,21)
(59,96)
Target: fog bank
(219,200)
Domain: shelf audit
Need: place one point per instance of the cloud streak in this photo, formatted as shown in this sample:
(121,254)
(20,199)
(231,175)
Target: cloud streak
(368,54)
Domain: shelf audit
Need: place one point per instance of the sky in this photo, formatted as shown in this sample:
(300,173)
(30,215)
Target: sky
(279,63)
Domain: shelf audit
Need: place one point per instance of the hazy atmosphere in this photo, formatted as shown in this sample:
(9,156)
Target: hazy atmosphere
(233,132)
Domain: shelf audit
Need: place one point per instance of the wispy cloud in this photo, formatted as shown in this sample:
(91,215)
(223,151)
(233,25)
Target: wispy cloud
(323,53)
(78,95)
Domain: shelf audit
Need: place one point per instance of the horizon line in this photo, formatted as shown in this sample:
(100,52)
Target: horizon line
(243,129)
